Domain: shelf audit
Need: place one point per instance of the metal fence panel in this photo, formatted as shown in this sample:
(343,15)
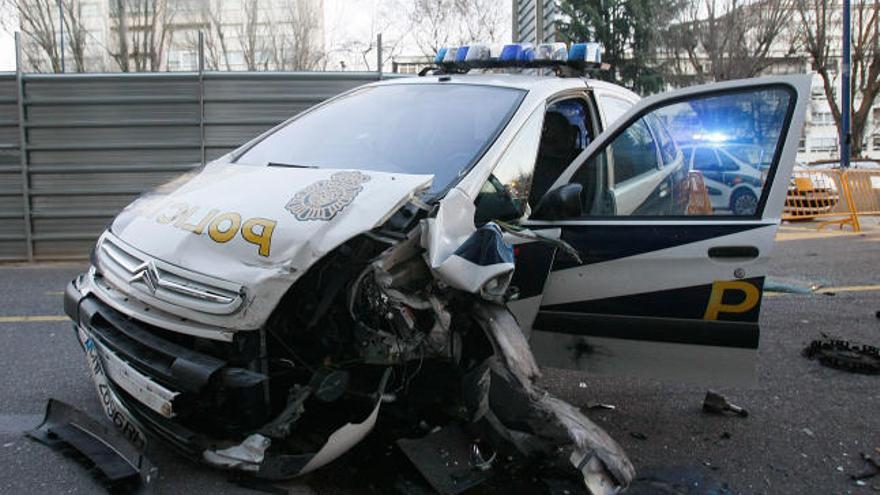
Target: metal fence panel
(13,243)
(92,142)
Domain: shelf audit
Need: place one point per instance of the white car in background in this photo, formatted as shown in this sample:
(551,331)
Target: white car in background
(732,184)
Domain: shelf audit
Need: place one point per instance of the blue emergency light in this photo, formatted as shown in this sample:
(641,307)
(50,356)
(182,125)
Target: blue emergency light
(581,56)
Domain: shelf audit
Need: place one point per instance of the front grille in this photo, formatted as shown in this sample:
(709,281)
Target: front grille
(213,393)
(154,279)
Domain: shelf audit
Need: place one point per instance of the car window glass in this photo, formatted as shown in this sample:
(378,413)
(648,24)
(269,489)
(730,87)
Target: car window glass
(699,176)
(432,129)
(565,134)
(634,153)
(705,159)
(669,152)
(727,161)
(504,195)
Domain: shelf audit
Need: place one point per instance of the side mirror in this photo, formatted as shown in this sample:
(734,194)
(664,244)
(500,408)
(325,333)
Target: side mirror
(561,203)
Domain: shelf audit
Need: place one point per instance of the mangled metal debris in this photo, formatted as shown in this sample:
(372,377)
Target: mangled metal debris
(120,465)
(716,403)
(845,355)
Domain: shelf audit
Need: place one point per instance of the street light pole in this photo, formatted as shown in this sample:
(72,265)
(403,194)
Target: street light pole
(61,24)
(846,98)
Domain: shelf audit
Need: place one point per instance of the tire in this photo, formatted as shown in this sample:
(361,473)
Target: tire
(743,202)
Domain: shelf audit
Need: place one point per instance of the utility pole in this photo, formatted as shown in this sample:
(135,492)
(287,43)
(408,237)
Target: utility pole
(61,24)
(846,103)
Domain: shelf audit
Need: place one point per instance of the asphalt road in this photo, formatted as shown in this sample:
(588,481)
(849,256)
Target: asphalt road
(807,427)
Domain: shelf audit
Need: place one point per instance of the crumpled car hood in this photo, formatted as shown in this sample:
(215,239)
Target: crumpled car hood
(246,224)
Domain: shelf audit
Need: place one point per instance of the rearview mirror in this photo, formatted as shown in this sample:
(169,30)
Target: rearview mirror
(561,203)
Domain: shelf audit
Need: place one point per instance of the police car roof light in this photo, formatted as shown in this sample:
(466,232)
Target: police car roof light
(585,53)
(581,56)
(477,54)
(449,56)
(511,53)
(556,52)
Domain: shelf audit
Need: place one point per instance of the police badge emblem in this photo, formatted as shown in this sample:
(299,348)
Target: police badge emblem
(325,198)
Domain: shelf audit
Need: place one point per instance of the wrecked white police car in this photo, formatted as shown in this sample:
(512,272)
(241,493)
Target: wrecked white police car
(424,244)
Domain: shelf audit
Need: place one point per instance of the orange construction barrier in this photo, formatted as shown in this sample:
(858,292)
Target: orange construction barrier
(822,194)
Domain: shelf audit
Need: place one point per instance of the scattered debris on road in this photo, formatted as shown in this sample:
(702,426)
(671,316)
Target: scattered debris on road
(873,468)
(844,355)
(118,464)
(716,403)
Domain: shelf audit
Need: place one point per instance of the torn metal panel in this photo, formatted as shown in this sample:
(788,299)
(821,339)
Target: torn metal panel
(122,464)
(483,264)
(246,456)
(447,461)
(514,399)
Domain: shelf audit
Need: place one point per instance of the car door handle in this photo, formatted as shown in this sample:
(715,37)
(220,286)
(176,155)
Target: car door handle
(738,252)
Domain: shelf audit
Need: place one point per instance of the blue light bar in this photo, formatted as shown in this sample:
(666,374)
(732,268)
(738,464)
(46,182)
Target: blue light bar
(585,53)
(511,53)
(581,56)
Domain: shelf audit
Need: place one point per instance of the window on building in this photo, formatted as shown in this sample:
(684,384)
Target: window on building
(824,144)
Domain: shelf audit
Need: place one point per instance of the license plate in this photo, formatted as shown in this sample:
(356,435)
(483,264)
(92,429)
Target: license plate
(113,408)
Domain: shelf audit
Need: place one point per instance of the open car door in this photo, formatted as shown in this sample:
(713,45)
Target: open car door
(669,283)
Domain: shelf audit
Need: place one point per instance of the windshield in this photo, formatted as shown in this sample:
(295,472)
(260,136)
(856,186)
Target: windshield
(439,129)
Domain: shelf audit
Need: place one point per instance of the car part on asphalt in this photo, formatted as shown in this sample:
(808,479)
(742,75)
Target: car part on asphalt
(123,468)
(845,355)
(716,403)
(872,471)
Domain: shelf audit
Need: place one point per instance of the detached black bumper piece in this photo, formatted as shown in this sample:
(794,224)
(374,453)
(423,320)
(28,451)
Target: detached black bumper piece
(122,467)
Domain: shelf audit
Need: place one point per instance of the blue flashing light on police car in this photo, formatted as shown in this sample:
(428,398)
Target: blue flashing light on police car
(511,53)
(580,56)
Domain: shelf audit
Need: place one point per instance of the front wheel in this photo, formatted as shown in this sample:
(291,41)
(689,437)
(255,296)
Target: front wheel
(743,202)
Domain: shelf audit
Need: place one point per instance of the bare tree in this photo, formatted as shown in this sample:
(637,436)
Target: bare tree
(75,32)
(821,25)
(211,19)
(432,28)
(252,35)
(41,22)
(437,23)
(295,36)
(716,40)
(142,33)
(306,50)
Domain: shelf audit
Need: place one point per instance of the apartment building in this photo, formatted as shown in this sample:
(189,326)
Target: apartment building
(162,35)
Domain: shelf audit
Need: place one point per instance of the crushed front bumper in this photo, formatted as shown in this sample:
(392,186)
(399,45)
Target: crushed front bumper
(153,383)
(147,381)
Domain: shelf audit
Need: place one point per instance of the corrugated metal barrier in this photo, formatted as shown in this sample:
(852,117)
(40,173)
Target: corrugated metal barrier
(75,148)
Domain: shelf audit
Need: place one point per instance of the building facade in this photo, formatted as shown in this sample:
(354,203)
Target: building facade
(534,21)
(163,35)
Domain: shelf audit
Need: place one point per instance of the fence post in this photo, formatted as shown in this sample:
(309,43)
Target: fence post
(379,55)
(202,96)
(23,153)
(847,193)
